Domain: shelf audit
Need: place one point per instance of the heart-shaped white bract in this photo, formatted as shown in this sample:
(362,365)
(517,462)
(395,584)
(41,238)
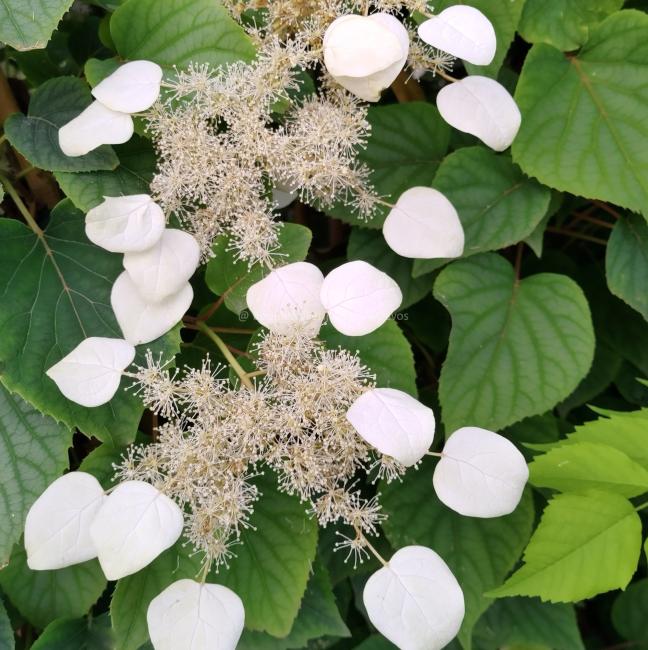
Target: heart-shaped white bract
(415,600)
(359,298)
(123,224)
(133,526)
(57,528)
(132,88)
(364,54)
(142,321)
(482,107)
(463,32)
(90,374)
(424,224)
(163,269)
(480,474)
(394,423)
(95,126)
(188,615)
(288,299)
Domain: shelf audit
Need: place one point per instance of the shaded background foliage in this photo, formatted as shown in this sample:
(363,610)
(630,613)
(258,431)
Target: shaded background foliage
(539,331)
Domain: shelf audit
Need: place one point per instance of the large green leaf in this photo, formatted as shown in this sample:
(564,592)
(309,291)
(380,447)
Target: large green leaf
(584,545)
(134,593)
(583,116)
(516,348)
(626,262)
(480,552)
(43,596)
(271,570)
(585,465)
(77,634)
(132,176)
(385,352)
(629,614)
(28,24)
(497,204)
(35,135)
(33,452)
(565,24)
(6,633)
(179,32)
(55,292)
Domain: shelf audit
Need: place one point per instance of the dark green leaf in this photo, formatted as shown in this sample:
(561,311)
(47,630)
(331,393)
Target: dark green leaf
(28,24)
(629,613)
(77,634)
(6,633)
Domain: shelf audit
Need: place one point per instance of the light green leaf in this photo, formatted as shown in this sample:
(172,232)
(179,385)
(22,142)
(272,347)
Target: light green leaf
(97,70)
(225,272)
(626,262)
(480,552)
(273,564)
(6,633)
(565,24)
(133,176)
(43,596)
(35,136)
(55,292)
(586,465)
(134,593)
(179,32)
(386,352)
(370,246)
(77,634)
(597,151)
(516,347)
(584,545)
(33,452)
(629,613)
(28,24)
(497,204)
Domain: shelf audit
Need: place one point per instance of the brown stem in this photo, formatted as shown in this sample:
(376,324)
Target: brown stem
(407,89)
(577,235)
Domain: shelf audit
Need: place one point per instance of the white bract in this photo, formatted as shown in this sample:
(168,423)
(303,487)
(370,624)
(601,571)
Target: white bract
(57,528)
(480,474)
(463,32)
(288,299)
(163,269)
(415,600)
(123,224)
(394,423)
(90,374)
(133,526)
(364,54)
(424,224)
(133,87)
(482,107)
(188,615)
(359,298)
(142,321)
(95,126)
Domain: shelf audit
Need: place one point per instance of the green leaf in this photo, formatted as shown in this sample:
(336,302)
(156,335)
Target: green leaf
(179,32)
(43,596)
(28,24)
(272,566)
(586,465)
(55,292)
(223,271)
(35,135)
(33,452)
(134,593)
(629,613)
(77,634)
(99,462)
(565,24)
(405,148)
(370,246)
(133,176)
(529,621)
(480,552)
(386,352)
(6,633)
(97,70)
(595,152)
(584,545)
(626,262)
(375,642)
(318,616)
(516,347)
(497,204)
